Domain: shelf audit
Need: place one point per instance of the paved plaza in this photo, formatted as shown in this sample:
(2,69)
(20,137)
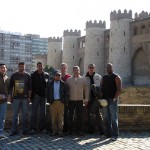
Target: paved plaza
(126,141)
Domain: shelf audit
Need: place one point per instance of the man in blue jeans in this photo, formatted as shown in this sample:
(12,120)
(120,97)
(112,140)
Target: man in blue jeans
(39,84)
(4,91)
(111,88)
(20,92)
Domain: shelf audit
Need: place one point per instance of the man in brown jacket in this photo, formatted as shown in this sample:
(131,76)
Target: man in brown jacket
(4,89)
(79,94)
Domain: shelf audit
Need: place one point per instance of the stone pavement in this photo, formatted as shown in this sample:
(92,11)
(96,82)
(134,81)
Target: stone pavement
(126,141)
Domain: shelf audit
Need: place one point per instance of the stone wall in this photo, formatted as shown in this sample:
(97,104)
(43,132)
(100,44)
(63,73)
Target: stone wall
(134,117)
(131,117)
(135,95)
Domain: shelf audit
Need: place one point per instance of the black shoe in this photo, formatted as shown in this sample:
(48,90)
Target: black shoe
(25,133)
(13,133)
(90,131)
(32,131)
(68,133)
(60,134)
(79,133)
(102,133)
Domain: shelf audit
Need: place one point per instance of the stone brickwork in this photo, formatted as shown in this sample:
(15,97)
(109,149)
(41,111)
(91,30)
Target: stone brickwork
(125,45)
(54,56)
(134,117)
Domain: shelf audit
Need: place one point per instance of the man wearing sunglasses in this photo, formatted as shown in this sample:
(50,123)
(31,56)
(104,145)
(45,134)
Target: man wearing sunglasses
(93,104)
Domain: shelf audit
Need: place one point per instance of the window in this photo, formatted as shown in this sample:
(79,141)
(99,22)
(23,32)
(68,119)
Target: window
(86,40)
(124,33)
(124,49)
(143,29)
(73,57)
(108,38)
(135,31)
(97,39)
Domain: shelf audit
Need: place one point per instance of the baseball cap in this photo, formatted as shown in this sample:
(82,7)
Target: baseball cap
(57,73)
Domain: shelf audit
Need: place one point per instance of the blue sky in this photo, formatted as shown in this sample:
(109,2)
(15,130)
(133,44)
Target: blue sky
(50,17)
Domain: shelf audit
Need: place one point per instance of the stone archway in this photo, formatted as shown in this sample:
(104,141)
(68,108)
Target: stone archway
(140,68)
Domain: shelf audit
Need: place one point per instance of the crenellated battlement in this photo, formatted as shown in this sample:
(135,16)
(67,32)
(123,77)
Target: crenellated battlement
(90,24)
(72,33)
(54,39)
(143,14)
(119,15)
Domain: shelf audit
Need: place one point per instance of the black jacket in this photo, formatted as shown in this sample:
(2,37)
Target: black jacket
(39,83)
(64,92)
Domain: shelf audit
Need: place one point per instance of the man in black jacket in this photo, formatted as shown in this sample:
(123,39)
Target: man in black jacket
(39,83)
(57,96)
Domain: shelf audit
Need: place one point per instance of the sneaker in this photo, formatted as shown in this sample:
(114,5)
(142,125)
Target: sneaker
(114,138)
(13,133)
(2,136)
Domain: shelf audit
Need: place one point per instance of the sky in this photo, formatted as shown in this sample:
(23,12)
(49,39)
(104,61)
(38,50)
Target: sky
(49,18)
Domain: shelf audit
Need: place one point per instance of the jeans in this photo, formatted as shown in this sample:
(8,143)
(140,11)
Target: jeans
(3,108)
(110,116)
(75,106)
(38,101)
(24,106)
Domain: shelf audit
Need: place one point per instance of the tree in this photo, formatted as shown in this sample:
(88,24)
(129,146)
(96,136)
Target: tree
(50,70)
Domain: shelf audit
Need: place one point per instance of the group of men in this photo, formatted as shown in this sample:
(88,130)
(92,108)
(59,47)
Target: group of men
(66,94)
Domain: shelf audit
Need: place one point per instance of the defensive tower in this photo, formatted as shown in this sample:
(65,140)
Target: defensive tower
(119,50)
(70,47)
(54,56)
(94,45)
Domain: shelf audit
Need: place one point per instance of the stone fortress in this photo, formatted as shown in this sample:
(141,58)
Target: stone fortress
(126,45)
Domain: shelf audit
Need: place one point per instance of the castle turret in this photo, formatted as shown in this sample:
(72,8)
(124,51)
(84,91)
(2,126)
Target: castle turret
(119,50)
(54,56)
(70,47)
(141,15)
(94,45)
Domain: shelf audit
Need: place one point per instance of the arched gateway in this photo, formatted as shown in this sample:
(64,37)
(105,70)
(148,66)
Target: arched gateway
(140,68)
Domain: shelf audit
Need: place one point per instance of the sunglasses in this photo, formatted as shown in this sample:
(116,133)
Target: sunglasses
(91,67)
(57,75)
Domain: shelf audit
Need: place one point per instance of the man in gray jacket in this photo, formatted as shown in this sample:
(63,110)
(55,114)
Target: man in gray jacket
(78,89)
(93,107)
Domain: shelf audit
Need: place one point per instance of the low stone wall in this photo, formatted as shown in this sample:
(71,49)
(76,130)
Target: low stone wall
(132,117)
